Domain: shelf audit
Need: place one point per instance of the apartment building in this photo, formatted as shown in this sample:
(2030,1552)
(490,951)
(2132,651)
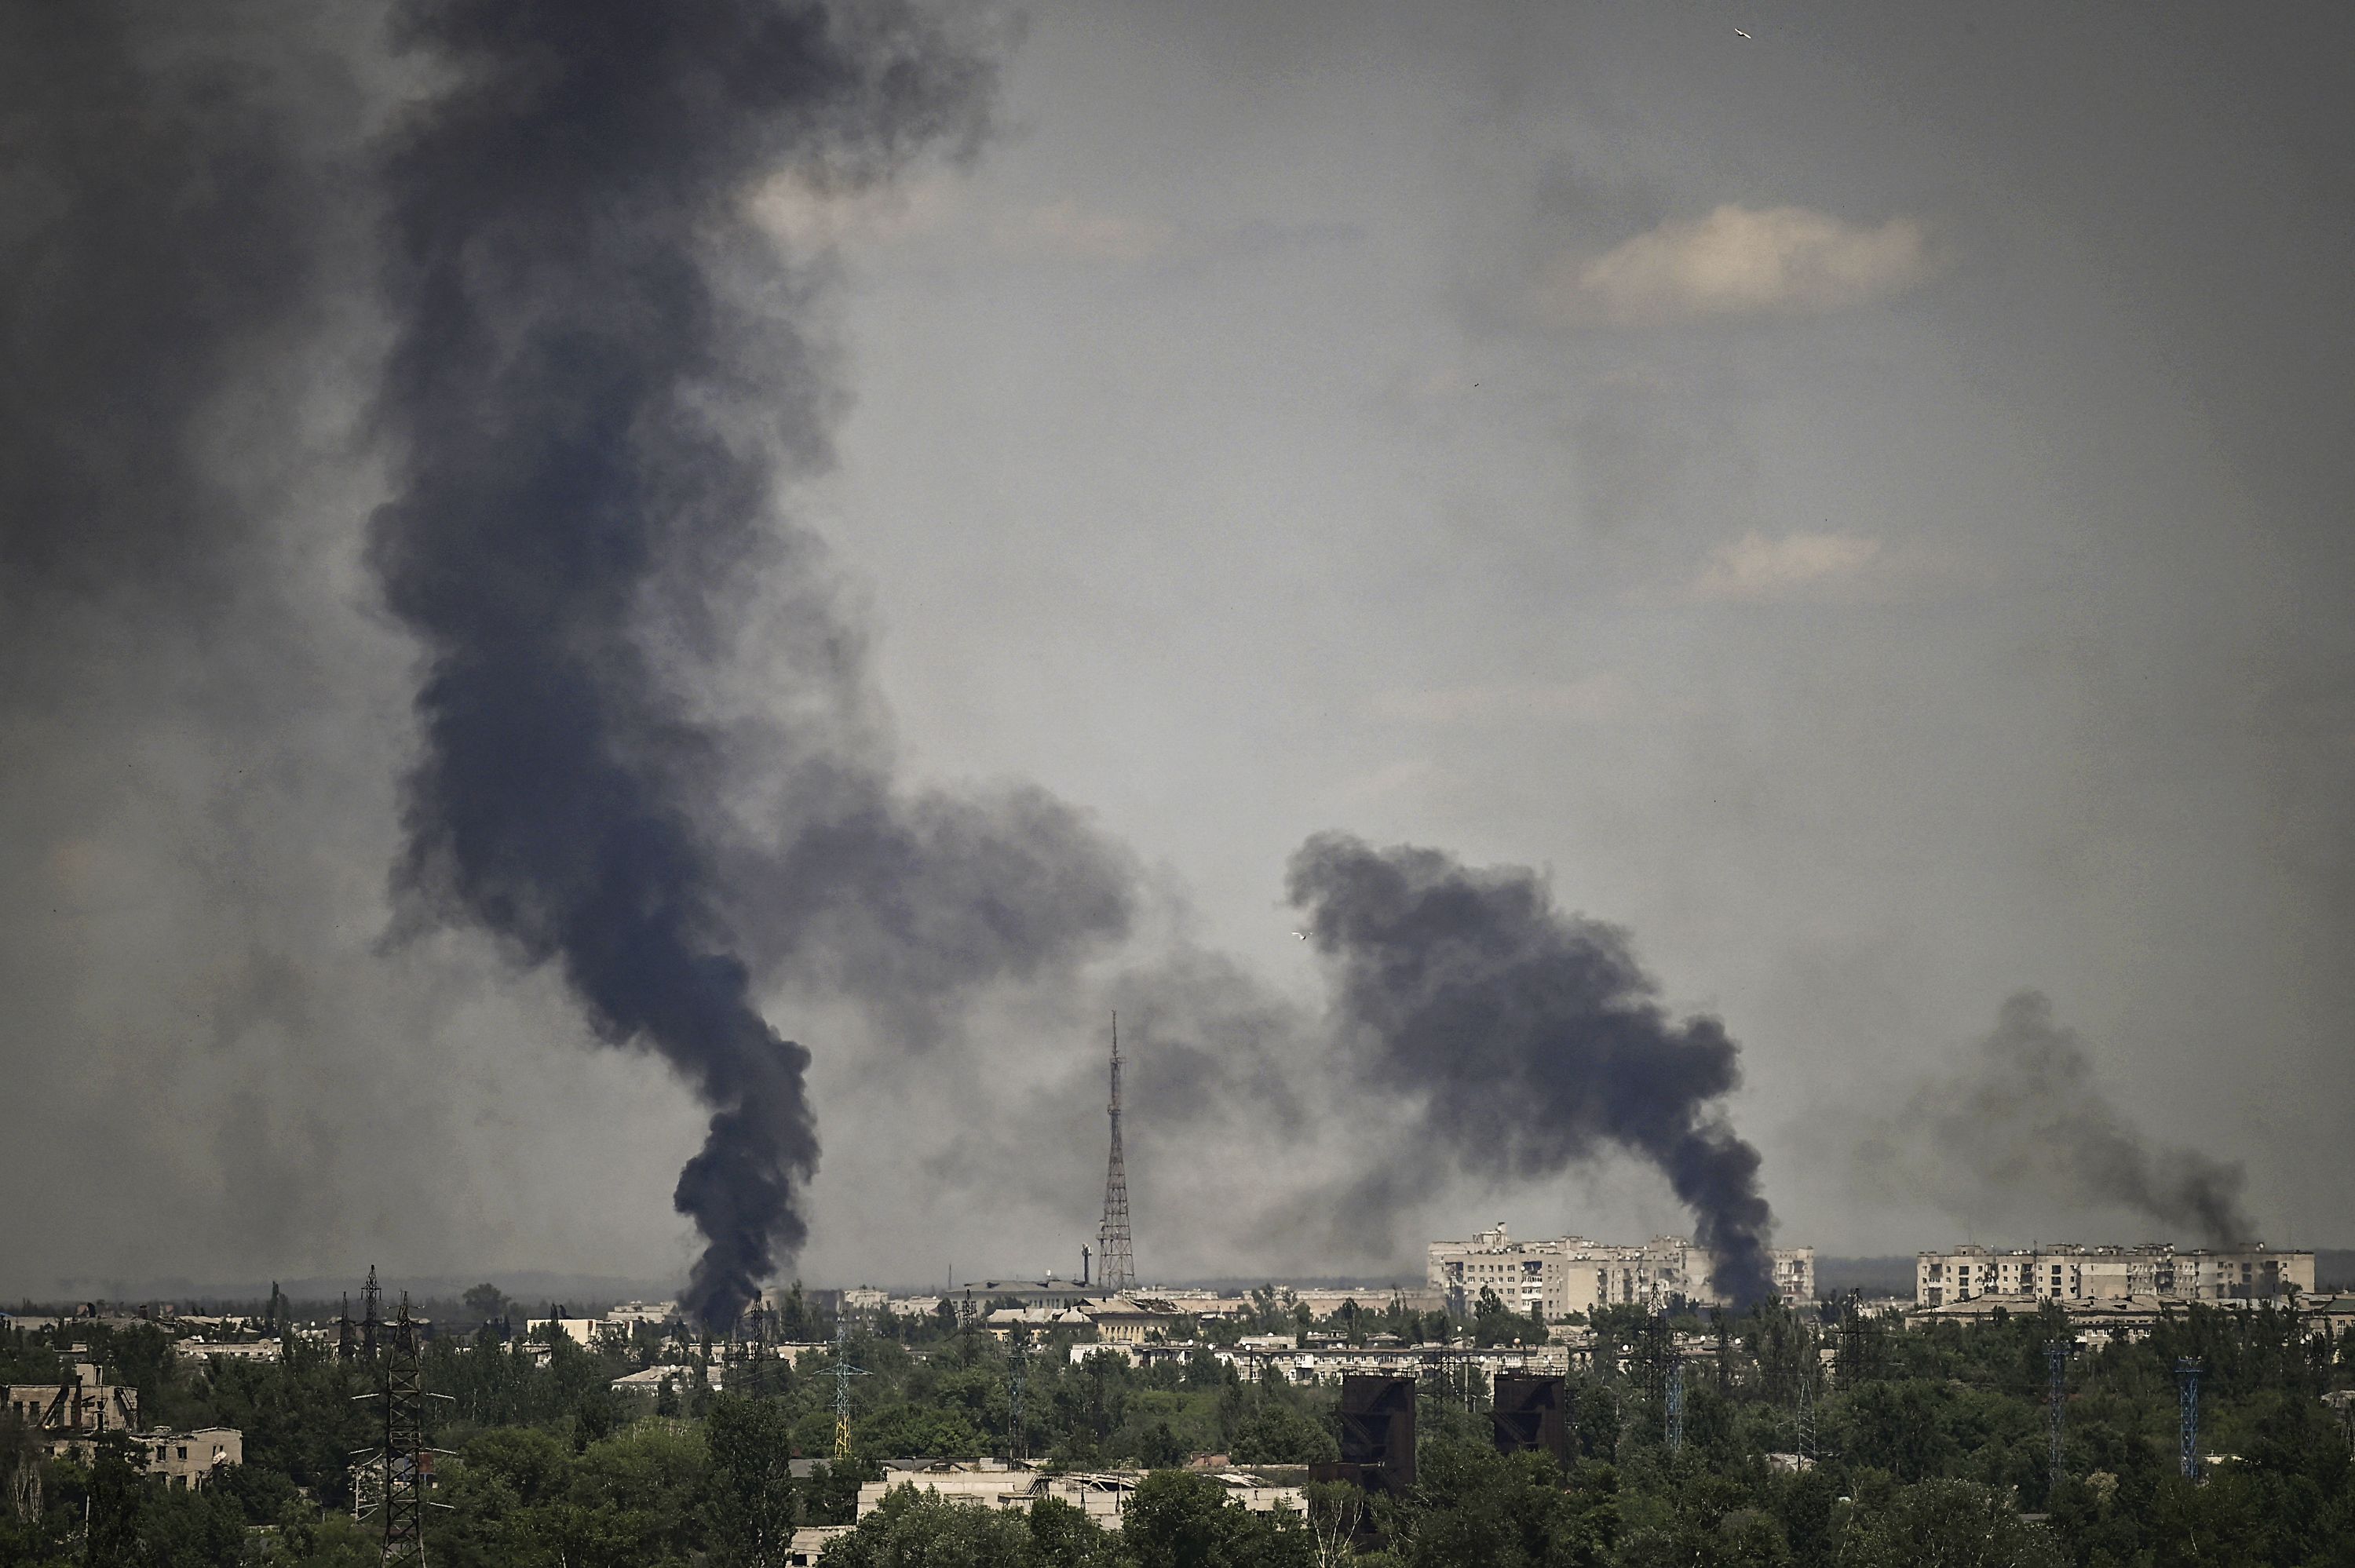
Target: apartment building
(2067,1272)
(1572,1274)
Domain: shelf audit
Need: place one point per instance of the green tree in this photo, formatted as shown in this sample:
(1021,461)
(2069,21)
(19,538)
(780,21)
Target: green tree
(1948,1524)
(919,1529)
(750,1442)
(483,1302)
(1278,1433)
(1474,1507)
(1180,1520)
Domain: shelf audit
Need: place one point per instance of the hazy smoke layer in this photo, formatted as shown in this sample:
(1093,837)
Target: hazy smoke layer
(155,228)
(2024,1128)
(584,319)
(1531,1038)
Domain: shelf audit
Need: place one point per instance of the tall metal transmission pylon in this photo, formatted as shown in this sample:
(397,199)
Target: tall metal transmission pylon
(2056,1404)
(2186,1404)
(1676,1403)
(843,1372)
(371,1318)
(1115,1268)
(1016,1370)
(403,1467)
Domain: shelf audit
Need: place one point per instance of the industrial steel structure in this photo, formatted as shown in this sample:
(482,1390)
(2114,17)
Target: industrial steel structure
(1115,1268)
(1530,1411)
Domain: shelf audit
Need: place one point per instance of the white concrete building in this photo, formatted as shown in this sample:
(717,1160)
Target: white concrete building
(1574,1275)
(1102,1495)
(1130,1320)
(630,1314)
(2066,1272)
(651,1379)
(231,1350)
(583,1331)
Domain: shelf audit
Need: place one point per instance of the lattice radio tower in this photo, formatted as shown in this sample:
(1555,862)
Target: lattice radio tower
(1115,1268)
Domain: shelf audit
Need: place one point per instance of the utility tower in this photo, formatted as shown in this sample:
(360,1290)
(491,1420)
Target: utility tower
(346,1346)
(2186,1404)
(1017,1360)
(370,1317)
(1675,1401)
(2056,1403)
(843,1372)
(403,1467)
(1116,1269)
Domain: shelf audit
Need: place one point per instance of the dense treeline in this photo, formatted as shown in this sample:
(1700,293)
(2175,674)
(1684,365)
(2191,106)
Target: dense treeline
(1806,1438)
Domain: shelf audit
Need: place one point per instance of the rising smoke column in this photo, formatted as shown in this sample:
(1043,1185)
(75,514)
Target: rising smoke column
(1532,1039)
(584,318)
(2022,1129)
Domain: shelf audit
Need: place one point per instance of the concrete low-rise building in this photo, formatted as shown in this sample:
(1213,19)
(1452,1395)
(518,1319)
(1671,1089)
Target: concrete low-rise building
(189,1461)
(630,1314)
(1130,1320)
(79,1404)
(652,1379)
(1573,1275)
(1102,1495)
(1036,1321)
(809,1543)
(230,1351)
(584,1332)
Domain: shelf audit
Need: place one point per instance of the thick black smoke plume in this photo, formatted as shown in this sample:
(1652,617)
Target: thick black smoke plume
(2023,1126)
(585,316)
(1532,1039)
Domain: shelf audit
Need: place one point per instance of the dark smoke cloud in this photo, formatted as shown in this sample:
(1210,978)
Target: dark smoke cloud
(159,236)
(585,317)
(1531,1039)
(2023,1131)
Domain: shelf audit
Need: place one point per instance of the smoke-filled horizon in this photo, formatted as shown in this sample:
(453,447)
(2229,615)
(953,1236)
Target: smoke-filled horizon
(2021,1127)
(822,548)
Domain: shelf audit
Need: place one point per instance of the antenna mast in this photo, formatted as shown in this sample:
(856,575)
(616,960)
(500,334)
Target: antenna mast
(1116,1269)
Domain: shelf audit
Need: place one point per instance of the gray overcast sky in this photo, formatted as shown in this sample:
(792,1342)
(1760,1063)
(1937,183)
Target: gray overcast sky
(1863,505)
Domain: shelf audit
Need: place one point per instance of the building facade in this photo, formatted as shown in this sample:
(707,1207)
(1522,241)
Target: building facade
(79,1406)
(189,1461)
(1574,1275)
(2065,1272)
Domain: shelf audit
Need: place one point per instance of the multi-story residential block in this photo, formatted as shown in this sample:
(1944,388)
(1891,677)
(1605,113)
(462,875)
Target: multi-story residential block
(1574,1275)
(2065,1272)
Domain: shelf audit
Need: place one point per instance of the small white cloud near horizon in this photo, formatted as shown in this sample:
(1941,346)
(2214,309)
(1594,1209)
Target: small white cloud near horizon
(1740,260)
(1754,569)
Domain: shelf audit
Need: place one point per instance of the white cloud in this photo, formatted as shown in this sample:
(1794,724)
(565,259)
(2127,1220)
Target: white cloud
(805,215)
(1754,569)
(1741,260)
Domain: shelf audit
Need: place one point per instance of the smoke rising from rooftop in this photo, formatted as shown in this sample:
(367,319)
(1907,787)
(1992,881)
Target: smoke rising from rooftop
(1531,1038)
(2022,1127)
